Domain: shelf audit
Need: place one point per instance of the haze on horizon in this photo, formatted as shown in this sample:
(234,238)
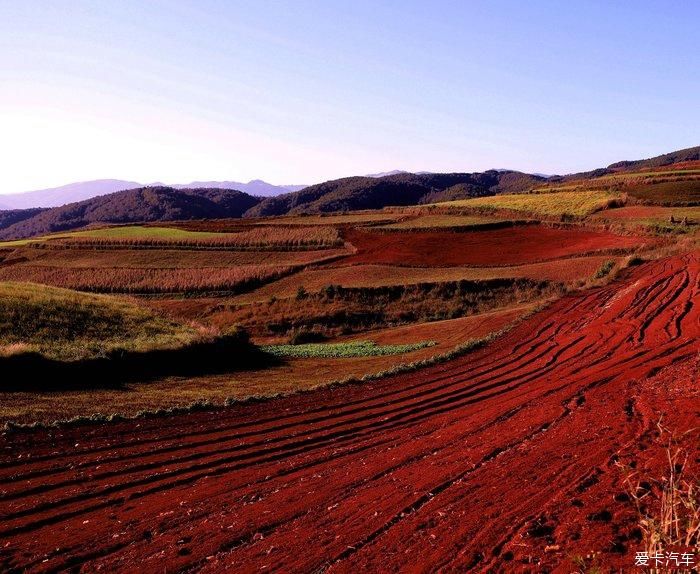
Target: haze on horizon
(304,91)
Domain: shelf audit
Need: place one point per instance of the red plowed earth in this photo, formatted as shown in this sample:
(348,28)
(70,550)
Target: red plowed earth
(493,247)
(479,463)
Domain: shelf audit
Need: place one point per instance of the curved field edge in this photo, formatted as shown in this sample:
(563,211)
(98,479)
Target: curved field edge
(226,402)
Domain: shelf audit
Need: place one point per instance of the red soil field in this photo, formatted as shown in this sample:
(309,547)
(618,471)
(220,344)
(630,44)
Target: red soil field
(476,464)
(509,246)
(634,212)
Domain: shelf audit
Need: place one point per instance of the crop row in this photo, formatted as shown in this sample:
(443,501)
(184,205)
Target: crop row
(145,280)
(253,238)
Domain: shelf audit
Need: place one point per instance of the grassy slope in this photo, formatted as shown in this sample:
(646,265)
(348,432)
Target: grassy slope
(66,325)
(142,232)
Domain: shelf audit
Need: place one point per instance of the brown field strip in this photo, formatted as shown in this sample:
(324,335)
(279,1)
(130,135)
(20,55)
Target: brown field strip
(313,280)
(167,258)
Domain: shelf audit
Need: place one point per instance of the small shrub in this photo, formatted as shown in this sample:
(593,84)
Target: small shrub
(669,508)
(604,270)
(304,336)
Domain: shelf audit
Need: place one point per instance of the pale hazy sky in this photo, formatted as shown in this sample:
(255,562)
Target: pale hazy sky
(303,91)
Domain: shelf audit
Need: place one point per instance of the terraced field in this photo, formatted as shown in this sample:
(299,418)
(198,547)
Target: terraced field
(567,270)
(290,376)
(393,474)
(274,237)
(444,221)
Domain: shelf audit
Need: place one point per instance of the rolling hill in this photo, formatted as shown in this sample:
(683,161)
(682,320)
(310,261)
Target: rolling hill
(134,205)
(691,154)
(256,187)
(679,156)
(353,193)
(73,192)
(70,193)
(12,216)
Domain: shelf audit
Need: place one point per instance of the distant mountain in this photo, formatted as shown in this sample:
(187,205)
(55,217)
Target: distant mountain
(70,193)
(256,187)
(73,192)
(130,206)
(385,173)
(353,193)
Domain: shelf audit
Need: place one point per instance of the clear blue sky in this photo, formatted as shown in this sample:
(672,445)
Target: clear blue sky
(303,91)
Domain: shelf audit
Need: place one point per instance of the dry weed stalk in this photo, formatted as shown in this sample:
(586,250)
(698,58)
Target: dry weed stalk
(668,508)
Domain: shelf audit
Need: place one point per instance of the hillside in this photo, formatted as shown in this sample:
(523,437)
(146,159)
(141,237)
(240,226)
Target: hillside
(80,191)
(12,216)
(353,193)
(256,187)
(67,325)
(679,156)
(134,205)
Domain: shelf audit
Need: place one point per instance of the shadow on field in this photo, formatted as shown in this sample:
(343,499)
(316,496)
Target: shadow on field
(34,372)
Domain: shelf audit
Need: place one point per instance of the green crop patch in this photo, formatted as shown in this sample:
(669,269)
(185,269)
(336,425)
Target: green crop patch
(343,350)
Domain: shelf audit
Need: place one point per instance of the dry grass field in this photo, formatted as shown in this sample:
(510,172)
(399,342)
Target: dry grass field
(144,237)
(147,280)
(166,258)
(551,204)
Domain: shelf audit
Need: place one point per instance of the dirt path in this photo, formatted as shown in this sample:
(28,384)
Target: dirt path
(481,463)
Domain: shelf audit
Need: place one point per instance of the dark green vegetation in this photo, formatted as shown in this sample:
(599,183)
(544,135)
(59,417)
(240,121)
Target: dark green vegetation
(341,310)
(130,206)
(353,193)
(604,270)
(12,216)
